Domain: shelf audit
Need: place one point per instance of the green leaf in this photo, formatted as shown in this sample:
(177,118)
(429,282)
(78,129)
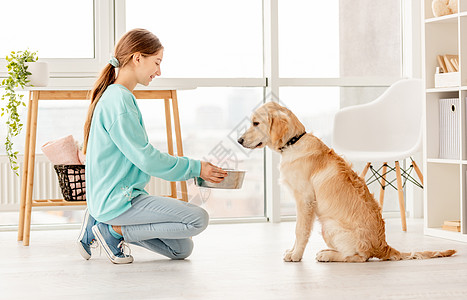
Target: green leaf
(17,77)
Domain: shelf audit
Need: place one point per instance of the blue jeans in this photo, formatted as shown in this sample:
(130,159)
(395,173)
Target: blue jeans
(161,224)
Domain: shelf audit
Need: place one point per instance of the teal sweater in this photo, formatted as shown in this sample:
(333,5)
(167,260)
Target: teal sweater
(120,160)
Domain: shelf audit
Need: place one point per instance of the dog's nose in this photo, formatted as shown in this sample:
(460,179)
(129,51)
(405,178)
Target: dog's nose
(240,141)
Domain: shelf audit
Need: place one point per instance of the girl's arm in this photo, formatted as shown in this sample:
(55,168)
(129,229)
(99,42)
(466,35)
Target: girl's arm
(130,137)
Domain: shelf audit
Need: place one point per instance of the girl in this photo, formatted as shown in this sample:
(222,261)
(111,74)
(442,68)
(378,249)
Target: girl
(120,161)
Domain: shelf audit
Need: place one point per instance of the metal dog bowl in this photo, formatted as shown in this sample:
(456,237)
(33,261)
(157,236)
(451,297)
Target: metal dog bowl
(234,180)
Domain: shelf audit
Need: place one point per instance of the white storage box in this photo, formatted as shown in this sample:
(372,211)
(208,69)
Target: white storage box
(447,79)
(449,128)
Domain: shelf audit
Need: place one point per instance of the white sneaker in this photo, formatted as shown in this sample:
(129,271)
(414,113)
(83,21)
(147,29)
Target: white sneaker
(113,247)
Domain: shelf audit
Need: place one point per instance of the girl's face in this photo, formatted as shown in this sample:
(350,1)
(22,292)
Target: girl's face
(148,67)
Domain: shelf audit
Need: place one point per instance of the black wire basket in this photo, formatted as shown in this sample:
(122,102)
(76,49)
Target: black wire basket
(72,182)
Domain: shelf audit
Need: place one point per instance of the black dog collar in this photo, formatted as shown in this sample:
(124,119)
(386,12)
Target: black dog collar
(292,141)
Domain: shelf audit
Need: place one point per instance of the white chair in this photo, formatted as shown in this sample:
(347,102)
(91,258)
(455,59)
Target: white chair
(388,129)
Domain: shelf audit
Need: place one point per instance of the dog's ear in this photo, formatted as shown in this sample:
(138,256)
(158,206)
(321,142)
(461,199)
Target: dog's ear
(278,127)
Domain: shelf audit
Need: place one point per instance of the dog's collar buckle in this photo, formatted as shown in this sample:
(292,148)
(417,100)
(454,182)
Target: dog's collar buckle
(292,141)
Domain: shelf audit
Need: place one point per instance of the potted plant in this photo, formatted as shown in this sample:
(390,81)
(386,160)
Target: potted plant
(19,67)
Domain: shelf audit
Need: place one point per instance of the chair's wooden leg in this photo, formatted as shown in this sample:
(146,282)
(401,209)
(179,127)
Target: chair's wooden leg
(178,139)
(401,196)
(24,179)
(31,164)
(170,147)
(383,184)
(365,170)
(419,173)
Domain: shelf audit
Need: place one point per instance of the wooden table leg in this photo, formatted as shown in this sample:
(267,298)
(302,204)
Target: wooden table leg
(31,164)
(170,147)
(178,138)
(24,182)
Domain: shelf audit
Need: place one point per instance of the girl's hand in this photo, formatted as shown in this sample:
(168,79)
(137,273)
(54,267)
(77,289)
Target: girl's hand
(211,173)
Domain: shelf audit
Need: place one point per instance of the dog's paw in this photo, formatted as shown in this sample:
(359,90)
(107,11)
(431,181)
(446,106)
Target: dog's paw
(291,255)
(324,255)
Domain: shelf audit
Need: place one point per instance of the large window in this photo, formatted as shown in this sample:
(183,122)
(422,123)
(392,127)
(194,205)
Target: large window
(74,37)
(340,38)
(331,54)
(335,40)
(225,44)
(56,28)
(309,38)
(204,38)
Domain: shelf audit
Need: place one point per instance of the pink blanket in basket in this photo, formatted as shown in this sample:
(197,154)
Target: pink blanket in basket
(64,151)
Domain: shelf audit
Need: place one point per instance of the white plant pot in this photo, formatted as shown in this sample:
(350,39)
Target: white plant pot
(39,73)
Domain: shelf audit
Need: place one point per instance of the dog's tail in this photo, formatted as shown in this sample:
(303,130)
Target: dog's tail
(393,254)
(427,254)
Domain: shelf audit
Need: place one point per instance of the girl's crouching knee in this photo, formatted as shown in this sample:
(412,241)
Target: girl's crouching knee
(201,220)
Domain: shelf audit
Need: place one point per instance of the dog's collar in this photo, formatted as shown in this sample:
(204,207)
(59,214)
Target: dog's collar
(292,141)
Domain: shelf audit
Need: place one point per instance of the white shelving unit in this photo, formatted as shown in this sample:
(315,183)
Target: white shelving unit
(445,186)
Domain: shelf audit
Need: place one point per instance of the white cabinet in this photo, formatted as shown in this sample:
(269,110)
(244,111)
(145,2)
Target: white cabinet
(445,179)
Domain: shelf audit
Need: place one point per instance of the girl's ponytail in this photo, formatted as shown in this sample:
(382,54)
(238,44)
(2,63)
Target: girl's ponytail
(106,78)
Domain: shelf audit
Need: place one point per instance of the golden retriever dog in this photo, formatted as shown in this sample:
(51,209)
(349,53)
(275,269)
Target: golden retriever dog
(324,187)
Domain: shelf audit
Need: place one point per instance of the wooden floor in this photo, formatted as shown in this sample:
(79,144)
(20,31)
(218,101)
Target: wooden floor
(234,261)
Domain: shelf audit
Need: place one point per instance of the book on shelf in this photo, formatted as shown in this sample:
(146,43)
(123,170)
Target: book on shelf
(452,228)
(452,223)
